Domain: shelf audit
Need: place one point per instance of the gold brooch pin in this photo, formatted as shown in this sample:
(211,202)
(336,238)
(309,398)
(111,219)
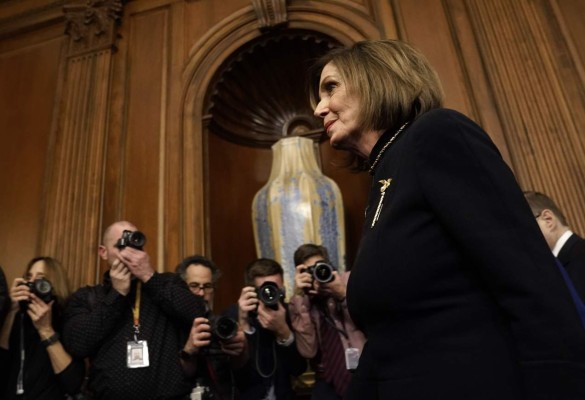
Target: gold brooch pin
(385,184)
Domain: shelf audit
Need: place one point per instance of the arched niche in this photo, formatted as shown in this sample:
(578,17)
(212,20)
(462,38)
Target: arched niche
(342,24)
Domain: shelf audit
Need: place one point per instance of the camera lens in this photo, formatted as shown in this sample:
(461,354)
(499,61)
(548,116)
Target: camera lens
(136,239)
(323,272)
(269,294)
(42,286)
(224,327)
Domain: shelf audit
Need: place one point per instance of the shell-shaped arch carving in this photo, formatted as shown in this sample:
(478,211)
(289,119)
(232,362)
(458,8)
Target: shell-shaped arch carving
(259,94)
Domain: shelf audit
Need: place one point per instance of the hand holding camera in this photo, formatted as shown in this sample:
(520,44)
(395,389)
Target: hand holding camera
(22,291)
(236,344)
(214,335)
(36,299)
(40,313)
(131,254)
(199,337)
(247,303)
(320,277)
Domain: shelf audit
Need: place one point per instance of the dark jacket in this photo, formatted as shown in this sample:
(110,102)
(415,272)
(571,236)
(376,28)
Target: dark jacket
(454,286)
(99,325)
(572,256)
(40,382)
(268,363)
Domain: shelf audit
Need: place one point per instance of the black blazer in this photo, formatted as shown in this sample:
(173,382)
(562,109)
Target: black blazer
(269,363)
(454,285)
(572,256)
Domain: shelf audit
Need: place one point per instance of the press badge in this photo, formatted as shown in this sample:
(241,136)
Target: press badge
(352,358)
(137,354)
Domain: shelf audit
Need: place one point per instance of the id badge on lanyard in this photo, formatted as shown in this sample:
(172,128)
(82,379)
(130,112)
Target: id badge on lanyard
(137,350)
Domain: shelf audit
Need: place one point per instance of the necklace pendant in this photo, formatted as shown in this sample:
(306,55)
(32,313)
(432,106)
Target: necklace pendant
(385,184)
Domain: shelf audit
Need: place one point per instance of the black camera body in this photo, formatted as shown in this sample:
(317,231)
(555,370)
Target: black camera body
(321,271)
(270,294)
(41,287)
(223,327)
(134,239)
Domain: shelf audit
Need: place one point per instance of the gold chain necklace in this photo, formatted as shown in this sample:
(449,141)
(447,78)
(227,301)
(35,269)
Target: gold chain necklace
(385,147)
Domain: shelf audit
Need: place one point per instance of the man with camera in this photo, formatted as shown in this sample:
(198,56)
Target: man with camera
(216,344)
(325,332)
(129,326)
(263,314)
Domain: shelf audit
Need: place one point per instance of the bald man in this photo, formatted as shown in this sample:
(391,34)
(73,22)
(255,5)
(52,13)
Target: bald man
(129,326)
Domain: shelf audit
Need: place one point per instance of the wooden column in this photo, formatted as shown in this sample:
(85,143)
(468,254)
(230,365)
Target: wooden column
(537,86)
(73,209)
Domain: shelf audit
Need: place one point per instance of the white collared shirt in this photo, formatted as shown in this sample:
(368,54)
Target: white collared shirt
(561,242)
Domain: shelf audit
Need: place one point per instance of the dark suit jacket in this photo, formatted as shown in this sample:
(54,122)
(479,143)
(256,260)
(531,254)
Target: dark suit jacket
(572,256)
(269,363)
(454,285)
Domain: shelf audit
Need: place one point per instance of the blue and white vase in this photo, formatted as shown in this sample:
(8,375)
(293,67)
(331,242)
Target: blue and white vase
(297,205)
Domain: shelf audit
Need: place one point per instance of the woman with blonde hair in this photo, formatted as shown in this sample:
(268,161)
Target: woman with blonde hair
(453,284)
(33,362)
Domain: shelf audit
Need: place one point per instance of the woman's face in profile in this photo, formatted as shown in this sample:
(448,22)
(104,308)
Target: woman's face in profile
(339,110)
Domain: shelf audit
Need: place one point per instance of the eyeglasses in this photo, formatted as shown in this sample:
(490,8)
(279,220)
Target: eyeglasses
(206,287)
(537,215)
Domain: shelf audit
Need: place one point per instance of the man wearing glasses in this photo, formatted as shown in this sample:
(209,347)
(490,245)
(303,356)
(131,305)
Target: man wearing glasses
(207,358)
(201,276)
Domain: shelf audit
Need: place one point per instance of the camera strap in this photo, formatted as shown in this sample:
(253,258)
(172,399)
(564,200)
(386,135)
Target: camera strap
(137,350)
(330,320)
(136,310)
(20,379)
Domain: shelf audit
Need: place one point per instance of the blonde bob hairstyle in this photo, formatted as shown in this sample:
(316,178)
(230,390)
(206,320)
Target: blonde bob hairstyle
(393,81)
(55,274)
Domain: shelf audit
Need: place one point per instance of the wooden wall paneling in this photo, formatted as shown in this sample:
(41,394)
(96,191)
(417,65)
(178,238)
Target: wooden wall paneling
(345,21)
(203,59)
(173,235)
(236,174)
(143,158)
(383,14)
(562,62)
(433,39)
(525,51)
(73,203)
(29,72)
(485,110)
(571,14)
(32,16)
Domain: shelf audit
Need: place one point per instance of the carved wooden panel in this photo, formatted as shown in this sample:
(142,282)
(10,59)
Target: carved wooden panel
(539,91)
(29,72)
(74,196)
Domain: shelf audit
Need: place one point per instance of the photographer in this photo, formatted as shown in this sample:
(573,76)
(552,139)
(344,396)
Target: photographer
(324,330)
(33,362)
(129,326)
(263,314)
(216,344)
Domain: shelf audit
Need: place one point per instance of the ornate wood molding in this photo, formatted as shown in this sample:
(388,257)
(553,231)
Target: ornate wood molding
(92,26)
(259,94)
(16,21)
(270,13)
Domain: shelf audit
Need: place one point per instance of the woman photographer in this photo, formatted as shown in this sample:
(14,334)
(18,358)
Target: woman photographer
(33,362)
